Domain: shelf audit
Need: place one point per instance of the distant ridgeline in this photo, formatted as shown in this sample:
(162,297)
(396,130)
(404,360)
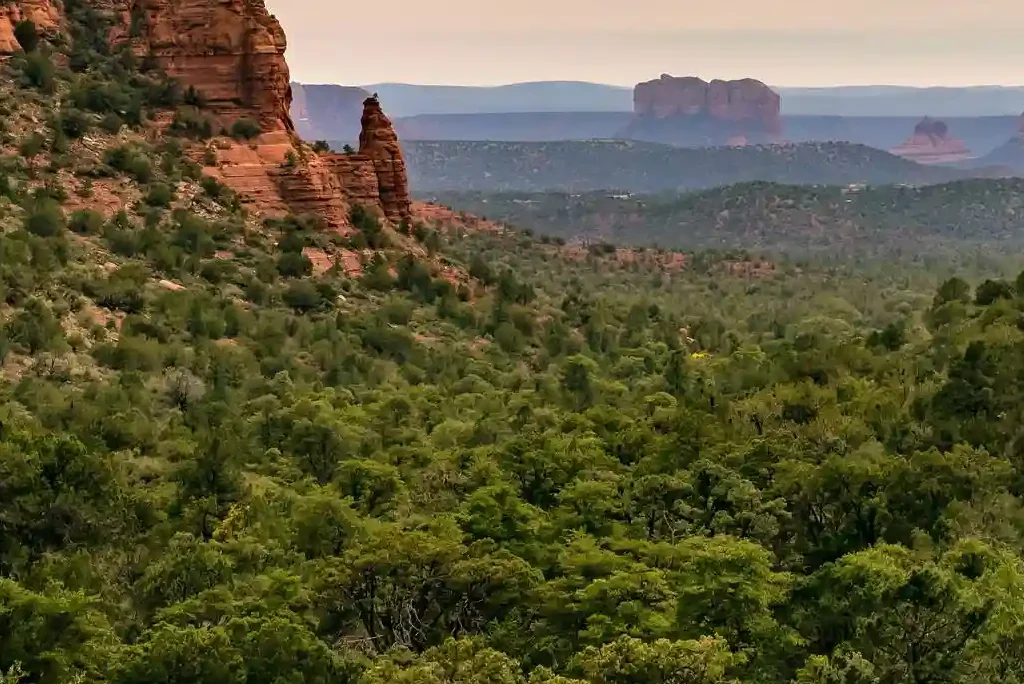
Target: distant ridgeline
(579,166)
(684,111)
(796,219)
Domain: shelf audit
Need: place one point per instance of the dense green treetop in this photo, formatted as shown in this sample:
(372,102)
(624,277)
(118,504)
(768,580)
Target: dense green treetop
(222,462)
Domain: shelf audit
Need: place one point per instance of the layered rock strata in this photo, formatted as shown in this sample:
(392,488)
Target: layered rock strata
(271,175)
(379,143)
(232,53)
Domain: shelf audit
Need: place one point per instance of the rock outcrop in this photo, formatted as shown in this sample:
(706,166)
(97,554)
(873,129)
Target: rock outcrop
(232,52)
(379,142)
(931,143)
(278,175)
(691,112)
(744,100)
(43,13)
(327,112)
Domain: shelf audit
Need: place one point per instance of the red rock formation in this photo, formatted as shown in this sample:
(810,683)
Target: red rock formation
(42,13)
(746,100)
(931,143)
(358,178)
(232,51)
(379,142)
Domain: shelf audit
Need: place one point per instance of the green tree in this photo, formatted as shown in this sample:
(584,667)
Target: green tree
(628,660)
(27,35)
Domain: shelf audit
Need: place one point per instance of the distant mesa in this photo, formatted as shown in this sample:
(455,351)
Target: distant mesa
(689,111)
(745,100)
(931,143)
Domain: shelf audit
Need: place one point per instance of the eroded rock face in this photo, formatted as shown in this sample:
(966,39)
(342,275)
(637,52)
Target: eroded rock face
(379,142)
(746,100)
(43,13)
(232,51)
(931,143)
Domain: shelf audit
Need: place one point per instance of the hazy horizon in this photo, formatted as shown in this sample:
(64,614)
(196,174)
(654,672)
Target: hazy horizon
(790,43)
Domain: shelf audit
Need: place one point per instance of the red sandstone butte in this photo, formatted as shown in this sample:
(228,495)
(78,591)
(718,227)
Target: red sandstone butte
(746,100)
(931,143)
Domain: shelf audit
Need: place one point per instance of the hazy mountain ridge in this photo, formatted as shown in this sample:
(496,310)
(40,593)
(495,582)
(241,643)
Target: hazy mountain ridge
(567,96)
(772,216)
(981,134)
(578,166)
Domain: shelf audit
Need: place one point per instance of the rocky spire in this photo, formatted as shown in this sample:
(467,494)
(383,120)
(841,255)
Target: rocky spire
(379,142)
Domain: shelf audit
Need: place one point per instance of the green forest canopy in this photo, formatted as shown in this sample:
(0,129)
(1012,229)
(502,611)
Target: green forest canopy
(219,464)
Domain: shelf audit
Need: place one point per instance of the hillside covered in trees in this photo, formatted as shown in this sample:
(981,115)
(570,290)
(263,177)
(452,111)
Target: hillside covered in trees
(882,219)
(628,166)
(454,456)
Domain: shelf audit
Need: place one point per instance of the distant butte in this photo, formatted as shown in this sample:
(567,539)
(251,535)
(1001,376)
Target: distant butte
(747,100)
(691,111)
(931,143)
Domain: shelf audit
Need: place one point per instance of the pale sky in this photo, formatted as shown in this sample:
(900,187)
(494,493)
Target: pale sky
(782,42)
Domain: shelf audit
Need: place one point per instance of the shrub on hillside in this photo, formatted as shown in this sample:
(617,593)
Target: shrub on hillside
(245,129)
(189,121)
(74,123)
(130,160)
(104,97)
(159,195)
(111,123)
(45,219)
(368,223)
(86,222)
(194,97)
(37,71)
(294,265)
(27,35)
(303,296)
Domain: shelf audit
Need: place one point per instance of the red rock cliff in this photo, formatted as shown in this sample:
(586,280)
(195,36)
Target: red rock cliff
(746,100)
(232,51)
(42,13)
